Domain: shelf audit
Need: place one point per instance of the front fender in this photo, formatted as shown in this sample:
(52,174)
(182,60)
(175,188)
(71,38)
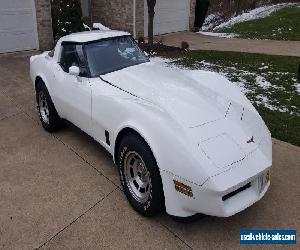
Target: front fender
(38,68)
(172,146)
(170,143)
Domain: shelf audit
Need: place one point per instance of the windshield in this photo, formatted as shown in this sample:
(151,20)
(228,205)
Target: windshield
(113,54)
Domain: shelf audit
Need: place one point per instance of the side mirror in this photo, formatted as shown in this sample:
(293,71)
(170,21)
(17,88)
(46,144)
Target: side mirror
(74,70)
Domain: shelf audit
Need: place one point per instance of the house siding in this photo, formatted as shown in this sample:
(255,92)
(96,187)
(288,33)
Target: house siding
(44,24)
(115,14)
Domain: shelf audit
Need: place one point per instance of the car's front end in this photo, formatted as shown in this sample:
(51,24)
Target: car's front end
(222,195)
(212,147)
(230,172)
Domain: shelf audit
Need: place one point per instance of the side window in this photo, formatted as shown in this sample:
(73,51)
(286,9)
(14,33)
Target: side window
(72,55)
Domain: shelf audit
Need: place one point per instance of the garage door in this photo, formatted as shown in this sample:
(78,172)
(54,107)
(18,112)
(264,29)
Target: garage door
(17,25)
(170,16)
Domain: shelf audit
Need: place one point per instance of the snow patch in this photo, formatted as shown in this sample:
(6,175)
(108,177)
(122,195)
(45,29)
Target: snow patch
(215,22)
(257,13)
(265,101)
(297,86)
(226,35)
(161,60)
(211,21)
(262,82)
(263,67)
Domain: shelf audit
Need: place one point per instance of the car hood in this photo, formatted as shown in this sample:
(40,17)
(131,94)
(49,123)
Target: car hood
(192,98)
(216,116)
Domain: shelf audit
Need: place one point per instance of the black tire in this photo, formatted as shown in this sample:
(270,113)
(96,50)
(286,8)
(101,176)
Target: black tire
(54,122)
(154,203)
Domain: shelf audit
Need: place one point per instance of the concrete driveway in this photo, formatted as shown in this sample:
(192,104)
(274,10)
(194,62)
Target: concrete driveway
(62,191)
(203,42)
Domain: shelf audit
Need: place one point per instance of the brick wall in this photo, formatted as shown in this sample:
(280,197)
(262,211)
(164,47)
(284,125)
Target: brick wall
(44,24)
(115,14)
(139,26)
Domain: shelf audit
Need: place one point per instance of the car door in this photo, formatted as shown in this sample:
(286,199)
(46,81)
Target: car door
(73,93)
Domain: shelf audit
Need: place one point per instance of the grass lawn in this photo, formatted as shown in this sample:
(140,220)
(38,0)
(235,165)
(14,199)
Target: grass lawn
(270,82)
(283,24)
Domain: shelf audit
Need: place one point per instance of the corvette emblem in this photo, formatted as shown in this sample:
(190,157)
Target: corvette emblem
(251,140)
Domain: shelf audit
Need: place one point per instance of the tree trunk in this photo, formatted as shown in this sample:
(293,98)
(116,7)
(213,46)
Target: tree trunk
(151,13)
(201,10)
(253,4)
(237,7)
(150,29)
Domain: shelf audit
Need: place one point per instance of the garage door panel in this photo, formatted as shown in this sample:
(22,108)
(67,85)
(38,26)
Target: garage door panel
(22,40)
(16,20)
(174,4)
(15,4)
(170,16)
(169,23)
(176,21)
(162,30)
(17,25)
(164,14)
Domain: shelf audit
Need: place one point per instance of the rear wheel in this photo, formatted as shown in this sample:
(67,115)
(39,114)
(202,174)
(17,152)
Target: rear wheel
(49,118)
(140,176)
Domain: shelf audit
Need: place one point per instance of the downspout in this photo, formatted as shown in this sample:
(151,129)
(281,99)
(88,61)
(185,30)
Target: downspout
(90,9)
(134,17)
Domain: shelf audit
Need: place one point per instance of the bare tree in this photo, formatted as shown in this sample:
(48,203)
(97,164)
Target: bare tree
(151,12)
(253,4)
(237,7)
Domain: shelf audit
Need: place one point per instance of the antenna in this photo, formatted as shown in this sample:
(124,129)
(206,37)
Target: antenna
(87,27)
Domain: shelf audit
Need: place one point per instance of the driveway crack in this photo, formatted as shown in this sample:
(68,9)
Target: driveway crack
(77,218)
(176,235)
(83,159)
(69,147)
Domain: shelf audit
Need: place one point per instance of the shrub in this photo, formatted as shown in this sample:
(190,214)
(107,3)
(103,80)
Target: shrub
(185,45)
(141,40)
(66,17)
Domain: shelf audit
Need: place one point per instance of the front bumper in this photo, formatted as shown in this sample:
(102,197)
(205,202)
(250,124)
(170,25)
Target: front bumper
(218,195)
(208,195)
(225,203)
(221,200)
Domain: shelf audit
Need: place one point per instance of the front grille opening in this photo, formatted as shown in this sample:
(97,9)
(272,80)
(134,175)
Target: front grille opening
(235,192)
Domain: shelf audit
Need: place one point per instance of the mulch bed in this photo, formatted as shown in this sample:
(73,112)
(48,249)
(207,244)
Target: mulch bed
(159,49)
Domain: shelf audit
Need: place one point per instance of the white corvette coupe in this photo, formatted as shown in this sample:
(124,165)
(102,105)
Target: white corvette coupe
(186,143)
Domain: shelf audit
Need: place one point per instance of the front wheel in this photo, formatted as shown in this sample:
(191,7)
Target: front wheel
(140,176)
(49,118)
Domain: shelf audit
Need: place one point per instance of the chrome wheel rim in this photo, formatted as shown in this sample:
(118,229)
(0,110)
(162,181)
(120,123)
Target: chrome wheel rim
(43,107)
(137,177)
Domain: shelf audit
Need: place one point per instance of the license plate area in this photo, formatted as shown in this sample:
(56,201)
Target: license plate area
(263,180)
